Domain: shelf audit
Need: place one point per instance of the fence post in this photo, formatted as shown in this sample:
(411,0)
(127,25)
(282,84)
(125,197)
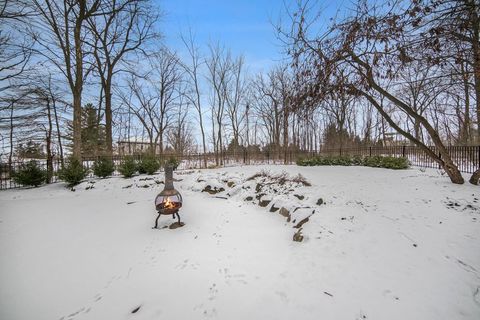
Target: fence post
(370,151)
(403,151)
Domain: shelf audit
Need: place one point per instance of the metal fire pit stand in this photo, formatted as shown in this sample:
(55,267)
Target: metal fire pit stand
(160,212)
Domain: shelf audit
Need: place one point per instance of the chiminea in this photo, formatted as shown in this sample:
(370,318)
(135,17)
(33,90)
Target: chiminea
(169,201)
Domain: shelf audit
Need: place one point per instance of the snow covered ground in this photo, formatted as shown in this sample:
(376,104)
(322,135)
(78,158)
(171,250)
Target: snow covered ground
(384,245)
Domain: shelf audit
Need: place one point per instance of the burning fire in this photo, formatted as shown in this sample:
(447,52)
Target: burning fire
(168,204)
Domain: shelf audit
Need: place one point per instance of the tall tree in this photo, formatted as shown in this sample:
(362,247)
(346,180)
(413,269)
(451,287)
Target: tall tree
(60,33)
(192,70)
(122,27)
(374,46)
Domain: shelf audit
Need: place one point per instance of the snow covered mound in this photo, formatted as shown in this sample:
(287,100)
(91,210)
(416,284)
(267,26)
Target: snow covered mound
(376,244)
(282,193)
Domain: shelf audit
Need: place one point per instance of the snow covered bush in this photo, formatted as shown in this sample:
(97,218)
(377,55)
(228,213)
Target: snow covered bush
(73,172)
(128,167)
(148,165)
(30,174)
(103,167)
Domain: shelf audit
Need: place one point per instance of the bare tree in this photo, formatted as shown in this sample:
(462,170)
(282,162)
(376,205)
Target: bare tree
(374,45)
(121,28)
(15,44)
(219,66)
(60,33)
(192,71)
(152,98)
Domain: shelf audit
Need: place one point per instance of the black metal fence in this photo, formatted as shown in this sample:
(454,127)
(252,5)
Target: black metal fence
(466,157)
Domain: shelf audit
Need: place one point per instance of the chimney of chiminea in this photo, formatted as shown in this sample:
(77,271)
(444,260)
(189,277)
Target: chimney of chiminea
(168,178)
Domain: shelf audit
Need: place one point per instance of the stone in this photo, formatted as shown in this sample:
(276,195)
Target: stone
(258,196)
(273,208)
(176,225)
(231,184)
(301,223)
(284,212)
(249,198)
(320,202)
(258,187)
(299,197)
(215,190)
(264,203)
(297,236)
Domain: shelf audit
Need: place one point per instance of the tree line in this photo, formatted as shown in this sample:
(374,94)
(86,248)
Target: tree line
(79,76)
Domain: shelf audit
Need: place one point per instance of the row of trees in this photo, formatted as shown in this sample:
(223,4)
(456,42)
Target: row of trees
(84,74)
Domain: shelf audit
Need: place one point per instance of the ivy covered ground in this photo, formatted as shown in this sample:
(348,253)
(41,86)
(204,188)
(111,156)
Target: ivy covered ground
(259,242)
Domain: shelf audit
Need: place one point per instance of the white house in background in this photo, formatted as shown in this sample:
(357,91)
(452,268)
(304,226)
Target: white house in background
(134,145)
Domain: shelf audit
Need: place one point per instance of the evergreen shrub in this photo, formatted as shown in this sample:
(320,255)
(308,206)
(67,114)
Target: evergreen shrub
(148,165)
(373,161)
(73,172)
(103,167)
(128,167)
(30,174)
(172,161)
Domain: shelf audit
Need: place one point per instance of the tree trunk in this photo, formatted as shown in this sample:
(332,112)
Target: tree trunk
(10,156)
(475,177)
(49,144)
(445,161)
(108,117)
(59,136)
(285,134)
(77,91)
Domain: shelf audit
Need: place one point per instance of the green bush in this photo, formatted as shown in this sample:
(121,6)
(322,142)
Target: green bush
(373,161)
(386,162)
(73,172)
(172,161)
(128,167)
(148,165)
(30,174)
(103,167)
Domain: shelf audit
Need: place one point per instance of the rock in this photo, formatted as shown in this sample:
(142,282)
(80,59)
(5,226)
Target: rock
(299,197)
(215,190)
(264,203)
(258,187)
(136,309)
(129,186)
(297,236)
(284,212)
(320,202)
(249,198)
(273,208)
(301,223)
(258,196)
(176,225)
(231,184)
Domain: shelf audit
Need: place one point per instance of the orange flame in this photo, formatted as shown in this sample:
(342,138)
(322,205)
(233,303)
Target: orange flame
(168,204)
